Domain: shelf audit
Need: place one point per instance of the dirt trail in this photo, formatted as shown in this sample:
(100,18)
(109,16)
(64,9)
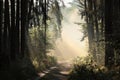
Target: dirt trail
(59,72)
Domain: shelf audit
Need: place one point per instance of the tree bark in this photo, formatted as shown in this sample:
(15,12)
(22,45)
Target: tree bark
(1,24)
(6,45)
(109,53)
(17,28)
(13,31)
(24,13)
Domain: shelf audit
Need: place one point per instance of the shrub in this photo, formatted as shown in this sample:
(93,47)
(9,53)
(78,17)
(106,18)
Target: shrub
(89,70)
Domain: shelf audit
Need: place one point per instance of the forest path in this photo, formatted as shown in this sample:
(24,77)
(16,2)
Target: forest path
(59,72)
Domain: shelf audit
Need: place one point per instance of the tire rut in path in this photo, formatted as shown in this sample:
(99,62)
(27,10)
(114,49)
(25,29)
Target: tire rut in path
(60,72)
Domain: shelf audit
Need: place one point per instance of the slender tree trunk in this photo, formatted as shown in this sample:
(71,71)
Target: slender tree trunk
(97,31)
(96,22)
(1,25)
(102,18)
(1,20)
(90,25)
(6,33)
(24,12)
(17,29)
(13,31)
(45,17)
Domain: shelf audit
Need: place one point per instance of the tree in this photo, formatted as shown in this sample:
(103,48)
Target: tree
(6,30)
(1,26)
(109,54)
(24,24)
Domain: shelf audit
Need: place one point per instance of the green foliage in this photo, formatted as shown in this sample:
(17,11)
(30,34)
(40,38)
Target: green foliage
(44,63)
(52,60)
(36,46)
(89,70)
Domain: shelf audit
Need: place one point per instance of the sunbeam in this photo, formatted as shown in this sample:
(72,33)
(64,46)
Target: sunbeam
(70,46)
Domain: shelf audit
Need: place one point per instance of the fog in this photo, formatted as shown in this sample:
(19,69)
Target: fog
(69,45)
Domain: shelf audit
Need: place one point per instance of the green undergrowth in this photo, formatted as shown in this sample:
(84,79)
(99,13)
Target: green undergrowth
(89,70)
(45,63)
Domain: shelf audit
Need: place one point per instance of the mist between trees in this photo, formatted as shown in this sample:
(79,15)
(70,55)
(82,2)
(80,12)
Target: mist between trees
(29,29)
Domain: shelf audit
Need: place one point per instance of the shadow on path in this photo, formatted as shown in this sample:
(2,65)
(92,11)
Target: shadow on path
(59,72)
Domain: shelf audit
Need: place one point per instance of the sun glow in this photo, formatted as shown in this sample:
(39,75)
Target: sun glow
(67,2)
(70,46)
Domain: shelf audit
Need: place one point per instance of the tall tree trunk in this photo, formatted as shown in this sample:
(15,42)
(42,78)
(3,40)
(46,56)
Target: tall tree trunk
(17,28)
(97,31)
(1,25)
(6,34)
(89,20)
(1,20)
(24,13)
(116,22)
(45,36)
(109,54)
(102,17)
(13,31)
(90,25)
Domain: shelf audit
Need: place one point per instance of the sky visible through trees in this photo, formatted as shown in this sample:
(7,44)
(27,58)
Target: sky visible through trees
(71,37)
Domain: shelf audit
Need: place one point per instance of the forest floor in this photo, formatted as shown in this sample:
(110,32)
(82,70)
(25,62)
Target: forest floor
(59,72)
